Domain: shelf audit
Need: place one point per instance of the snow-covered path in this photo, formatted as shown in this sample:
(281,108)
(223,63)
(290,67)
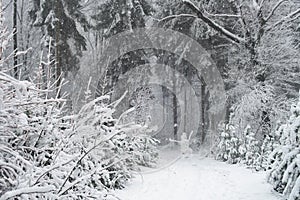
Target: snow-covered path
(195,178)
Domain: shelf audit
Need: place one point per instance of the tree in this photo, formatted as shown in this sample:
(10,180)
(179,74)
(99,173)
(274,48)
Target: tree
(263,52)
(254,28)
(114,17)
(59,20)
(1,30)
(205,36)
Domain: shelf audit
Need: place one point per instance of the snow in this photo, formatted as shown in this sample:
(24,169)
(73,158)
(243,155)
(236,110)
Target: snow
(197,178)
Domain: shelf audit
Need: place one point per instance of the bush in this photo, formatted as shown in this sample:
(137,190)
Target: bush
(46,154)
(244,148)
(229,145)
(285,159)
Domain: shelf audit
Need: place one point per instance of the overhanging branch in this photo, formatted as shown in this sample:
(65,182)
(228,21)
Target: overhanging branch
(231,36)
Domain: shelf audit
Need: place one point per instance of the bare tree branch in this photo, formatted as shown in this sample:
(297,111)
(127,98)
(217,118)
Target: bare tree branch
(170,17)
(222,15)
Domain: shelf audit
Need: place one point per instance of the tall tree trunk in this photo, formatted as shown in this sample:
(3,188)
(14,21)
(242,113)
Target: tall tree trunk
(58,53)
(175,112)
(22,32)
(203,108)
(15,37)
(1,30)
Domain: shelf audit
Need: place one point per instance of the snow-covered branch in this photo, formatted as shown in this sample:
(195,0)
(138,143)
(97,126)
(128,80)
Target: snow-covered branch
(222,15)
(29,190)
(231,36)
(170,17)
(37,102)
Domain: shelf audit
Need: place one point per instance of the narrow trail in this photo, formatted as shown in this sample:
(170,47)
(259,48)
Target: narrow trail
(197,178)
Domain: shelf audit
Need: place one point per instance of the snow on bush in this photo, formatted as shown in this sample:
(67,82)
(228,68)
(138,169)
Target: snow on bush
(228,147)
(243,148)
(46,154)
(285,159)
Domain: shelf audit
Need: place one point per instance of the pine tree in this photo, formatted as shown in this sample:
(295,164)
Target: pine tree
(15,38)
(229,148)
(1,32)
(118,16)
(115,17)
(59,20)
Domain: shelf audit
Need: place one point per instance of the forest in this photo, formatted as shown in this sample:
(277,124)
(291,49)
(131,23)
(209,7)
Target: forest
(131,99)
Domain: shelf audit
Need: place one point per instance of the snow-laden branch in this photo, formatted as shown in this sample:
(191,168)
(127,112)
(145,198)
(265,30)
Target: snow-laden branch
(23,84)
(231,36)
(37,102)
(274,9)
(28,190)
(170,17)
(222,15)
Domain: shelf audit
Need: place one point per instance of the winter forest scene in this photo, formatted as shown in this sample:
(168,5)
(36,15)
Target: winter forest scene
(150,99)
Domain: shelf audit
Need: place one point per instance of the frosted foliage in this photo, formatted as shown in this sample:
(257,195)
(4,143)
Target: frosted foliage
(249,109)
(46,154)
(285,159)
(229,145)
(243,148)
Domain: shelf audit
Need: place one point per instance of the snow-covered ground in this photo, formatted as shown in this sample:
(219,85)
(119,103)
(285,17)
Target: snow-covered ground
(197,178)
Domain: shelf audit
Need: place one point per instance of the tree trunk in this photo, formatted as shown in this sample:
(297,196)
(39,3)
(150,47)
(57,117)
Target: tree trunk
(203,106)
(15,37)
(175,113)
(1,30)
(58,53)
